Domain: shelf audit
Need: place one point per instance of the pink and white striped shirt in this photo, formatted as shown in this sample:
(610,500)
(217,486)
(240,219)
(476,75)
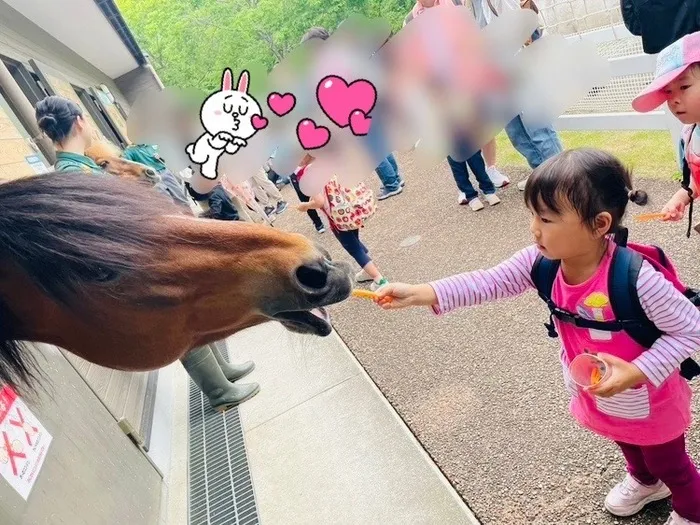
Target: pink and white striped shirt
(667,308)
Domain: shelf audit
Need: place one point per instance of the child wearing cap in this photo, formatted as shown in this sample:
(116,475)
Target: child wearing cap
(677,82)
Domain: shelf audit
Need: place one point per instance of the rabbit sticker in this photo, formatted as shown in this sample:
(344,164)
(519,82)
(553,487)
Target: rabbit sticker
(229,117)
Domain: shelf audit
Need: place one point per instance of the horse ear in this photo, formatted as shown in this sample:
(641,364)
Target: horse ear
(243,82)
(226,80)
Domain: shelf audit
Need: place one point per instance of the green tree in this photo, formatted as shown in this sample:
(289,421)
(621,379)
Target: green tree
(190,42)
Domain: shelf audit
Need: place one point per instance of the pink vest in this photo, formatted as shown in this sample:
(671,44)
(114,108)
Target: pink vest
(641,416)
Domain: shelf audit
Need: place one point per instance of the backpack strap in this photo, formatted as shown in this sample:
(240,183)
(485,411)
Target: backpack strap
(543,273)
(624,301)
(685,181)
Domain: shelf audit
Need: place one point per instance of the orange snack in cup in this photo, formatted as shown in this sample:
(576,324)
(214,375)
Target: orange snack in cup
(595,376)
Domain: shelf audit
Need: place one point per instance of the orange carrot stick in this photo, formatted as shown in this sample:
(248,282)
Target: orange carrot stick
(646,217)
(595,376)
(366,294)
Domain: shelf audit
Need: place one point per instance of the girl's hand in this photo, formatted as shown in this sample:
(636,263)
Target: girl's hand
(405,295)
(624,375)
(304,206)
(675,208)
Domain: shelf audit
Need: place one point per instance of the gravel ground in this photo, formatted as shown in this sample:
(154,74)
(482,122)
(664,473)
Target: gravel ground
(482,388)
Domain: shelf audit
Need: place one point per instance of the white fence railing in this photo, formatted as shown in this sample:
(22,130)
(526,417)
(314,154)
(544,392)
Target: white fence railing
(630,73)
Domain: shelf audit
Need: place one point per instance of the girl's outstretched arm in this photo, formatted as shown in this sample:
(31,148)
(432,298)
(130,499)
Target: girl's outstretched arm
(508,279)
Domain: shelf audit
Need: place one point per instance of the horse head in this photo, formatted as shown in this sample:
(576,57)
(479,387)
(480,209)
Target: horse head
(115,272)
(109,159)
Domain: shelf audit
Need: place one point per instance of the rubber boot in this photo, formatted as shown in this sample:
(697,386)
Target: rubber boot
(232,372)
(204,369)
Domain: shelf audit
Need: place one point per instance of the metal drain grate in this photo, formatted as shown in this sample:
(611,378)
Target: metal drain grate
(221,488)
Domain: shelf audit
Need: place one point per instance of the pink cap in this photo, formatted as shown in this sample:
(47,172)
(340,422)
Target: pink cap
(671,63)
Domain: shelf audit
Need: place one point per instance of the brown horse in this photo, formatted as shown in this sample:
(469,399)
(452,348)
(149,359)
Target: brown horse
(99,265)
(108,157)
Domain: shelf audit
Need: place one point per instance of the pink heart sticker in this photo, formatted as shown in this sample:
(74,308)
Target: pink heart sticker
(338,99)
(360,123)
(281,104)
(312,136)
(258,122)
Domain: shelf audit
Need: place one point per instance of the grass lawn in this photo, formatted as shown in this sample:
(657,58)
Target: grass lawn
(648,153)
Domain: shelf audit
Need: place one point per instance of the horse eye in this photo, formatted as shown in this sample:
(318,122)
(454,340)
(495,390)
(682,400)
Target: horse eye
(242,111)
(104,164)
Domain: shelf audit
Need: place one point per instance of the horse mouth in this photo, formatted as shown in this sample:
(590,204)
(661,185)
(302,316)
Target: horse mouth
(316,321)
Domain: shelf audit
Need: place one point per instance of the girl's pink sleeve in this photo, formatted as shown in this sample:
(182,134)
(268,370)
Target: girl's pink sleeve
(675,316)
(508,279)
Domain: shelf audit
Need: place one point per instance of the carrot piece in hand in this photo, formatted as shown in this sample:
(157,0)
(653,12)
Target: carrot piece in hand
(646,217)
(366,294)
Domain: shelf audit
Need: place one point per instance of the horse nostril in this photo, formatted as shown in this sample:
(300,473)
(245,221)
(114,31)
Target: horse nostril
(314,277)
(150,172)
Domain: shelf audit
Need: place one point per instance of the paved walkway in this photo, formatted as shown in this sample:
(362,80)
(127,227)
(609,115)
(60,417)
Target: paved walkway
(324,445)
(482,389)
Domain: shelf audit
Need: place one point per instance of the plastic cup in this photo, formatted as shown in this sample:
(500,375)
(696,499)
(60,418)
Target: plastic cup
(587,370)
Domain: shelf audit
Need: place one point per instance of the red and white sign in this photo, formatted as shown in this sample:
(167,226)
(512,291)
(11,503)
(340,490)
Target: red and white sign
(24,443)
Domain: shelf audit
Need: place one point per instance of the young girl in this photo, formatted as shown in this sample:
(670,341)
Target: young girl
(677,82)
(577,200)
(349,239)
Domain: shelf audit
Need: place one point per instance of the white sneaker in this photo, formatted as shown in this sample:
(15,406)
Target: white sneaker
(521,185)
(462,199)
(492,199)
(363,277)
(629,496)
(376,285)
(475,204)
(499,180)
(675,519)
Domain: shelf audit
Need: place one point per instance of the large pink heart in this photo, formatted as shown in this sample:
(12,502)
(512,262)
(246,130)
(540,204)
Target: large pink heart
(338,99)
(281,104)
(312,136)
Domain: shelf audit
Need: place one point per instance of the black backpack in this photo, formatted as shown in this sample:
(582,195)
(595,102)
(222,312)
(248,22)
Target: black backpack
(660,22)
(624,300)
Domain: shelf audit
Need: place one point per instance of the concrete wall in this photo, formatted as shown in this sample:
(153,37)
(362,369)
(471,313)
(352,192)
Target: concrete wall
(93,474)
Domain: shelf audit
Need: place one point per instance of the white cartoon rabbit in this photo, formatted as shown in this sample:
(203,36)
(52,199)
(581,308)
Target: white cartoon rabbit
(227,117)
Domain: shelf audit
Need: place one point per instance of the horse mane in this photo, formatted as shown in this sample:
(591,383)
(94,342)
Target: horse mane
(102,149)
(69,231)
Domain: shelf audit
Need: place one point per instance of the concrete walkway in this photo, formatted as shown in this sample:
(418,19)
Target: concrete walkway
(326,447)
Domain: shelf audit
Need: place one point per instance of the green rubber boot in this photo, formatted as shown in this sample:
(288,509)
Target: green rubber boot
(204,369)
(232,372)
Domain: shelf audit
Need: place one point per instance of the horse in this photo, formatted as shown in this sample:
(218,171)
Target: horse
(115,272)
(108,157)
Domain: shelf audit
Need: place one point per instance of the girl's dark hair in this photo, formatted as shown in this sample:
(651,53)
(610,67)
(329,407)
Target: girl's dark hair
(56,116)
(591,181)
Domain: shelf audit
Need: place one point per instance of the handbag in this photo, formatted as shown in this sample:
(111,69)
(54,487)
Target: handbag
(348,208)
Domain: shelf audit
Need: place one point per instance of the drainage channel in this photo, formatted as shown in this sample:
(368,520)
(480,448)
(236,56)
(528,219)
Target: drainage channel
(220,485)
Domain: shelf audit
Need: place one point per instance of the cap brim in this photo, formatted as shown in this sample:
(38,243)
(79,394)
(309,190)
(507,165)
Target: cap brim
(651,96)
